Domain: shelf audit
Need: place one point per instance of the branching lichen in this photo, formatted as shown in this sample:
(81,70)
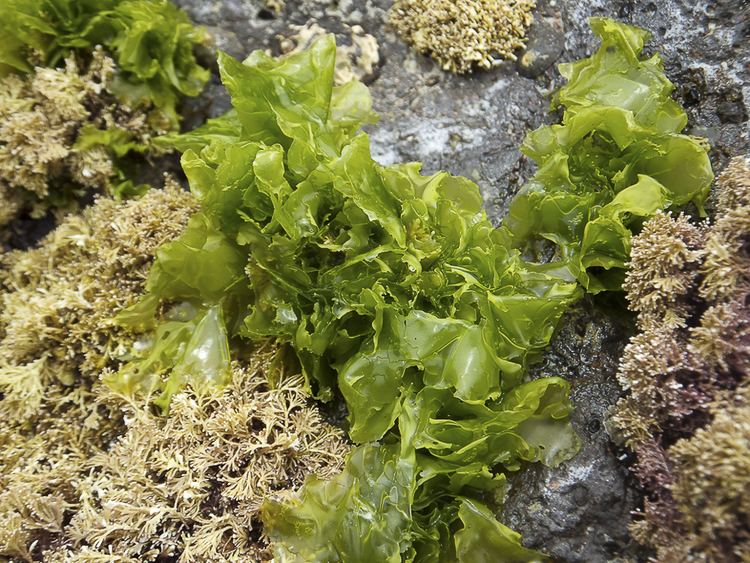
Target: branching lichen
(190,485)
(55,313)
(686,415)
(86,475)
(61,131)
(712,480)
(99,476)
(463,34)
(663,270)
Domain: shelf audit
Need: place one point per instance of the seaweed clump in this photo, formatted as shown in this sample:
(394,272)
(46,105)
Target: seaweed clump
(357,60)
(85,473)
(463,35)
(687,414)
(395,290)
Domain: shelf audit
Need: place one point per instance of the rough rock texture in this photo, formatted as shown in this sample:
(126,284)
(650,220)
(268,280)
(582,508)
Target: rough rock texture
(580,511)
(472,126)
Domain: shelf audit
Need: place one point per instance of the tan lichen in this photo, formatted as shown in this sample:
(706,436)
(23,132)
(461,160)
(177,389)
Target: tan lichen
(733,186)
(42,461)
(358,59)
(713,480)
(94,475)
(41,117)
(462,35)
(723,333)
(59,298)
(649,361)
(190,485)
(662,269)
(276,6)
(86,475)
(727,254)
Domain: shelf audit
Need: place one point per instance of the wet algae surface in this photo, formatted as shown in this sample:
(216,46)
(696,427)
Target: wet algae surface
(472,126)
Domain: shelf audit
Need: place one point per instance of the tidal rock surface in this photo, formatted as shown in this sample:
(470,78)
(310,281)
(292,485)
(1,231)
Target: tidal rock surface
(472,126)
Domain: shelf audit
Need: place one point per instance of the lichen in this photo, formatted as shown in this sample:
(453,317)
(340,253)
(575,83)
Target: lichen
(276,6)
(462,35)
(100,476)
(712,479)
(43,117)
(88,475)
(663,270)
(687,412)
(190,485)
(59,298)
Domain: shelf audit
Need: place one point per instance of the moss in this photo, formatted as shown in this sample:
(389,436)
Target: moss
(190,485)
(663,270)
(42,117)
(687,415)
(462,35)
(712,480)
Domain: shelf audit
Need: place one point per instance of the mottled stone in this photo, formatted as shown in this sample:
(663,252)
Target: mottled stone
(580,510)
(545,45)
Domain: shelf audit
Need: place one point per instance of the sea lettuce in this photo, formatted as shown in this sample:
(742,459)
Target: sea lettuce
(151,41)
(620,134)
(189,347)
(394,288)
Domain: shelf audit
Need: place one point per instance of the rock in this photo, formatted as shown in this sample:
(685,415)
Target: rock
(731,112)
(732,107)
(545,45)
(691,86)
(580,510)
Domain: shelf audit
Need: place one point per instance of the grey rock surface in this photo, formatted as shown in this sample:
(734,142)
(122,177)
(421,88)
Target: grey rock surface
(580,510)
(472,126)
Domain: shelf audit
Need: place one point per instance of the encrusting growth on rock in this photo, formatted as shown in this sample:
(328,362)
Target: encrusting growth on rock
(462,35)
(86,473)
(356,60)
(687,413)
